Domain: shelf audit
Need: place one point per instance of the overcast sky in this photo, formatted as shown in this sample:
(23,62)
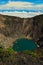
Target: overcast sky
(21,8)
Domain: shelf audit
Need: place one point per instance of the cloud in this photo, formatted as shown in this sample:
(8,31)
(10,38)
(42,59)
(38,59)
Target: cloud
(21,5)
(17,5)
(14,9)
(21,14)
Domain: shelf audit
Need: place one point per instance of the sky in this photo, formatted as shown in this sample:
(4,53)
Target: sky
(21,8)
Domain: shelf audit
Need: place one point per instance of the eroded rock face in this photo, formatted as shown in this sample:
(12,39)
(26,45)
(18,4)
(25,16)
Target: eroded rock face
(15,27)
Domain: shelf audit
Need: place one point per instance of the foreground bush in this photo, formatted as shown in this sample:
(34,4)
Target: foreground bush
(10,57)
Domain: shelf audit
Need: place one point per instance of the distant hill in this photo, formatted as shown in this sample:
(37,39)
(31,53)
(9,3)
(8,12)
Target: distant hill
(12,28)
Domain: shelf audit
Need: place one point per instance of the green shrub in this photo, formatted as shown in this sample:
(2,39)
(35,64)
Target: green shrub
(32,53)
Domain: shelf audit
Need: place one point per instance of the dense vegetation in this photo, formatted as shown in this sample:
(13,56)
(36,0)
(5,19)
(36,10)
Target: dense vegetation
(10,57)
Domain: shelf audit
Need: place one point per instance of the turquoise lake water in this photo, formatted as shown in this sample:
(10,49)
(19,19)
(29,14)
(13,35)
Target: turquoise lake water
(24,44)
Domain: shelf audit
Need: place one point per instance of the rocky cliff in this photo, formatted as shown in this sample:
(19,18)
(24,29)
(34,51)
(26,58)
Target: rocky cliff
(12,28)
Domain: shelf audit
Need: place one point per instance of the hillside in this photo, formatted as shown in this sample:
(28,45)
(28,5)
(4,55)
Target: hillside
(12,28)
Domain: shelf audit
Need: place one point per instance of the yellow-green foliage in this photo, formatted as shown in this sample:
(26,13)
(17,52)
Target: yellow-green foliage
(9,50)
(32,53)
(10,56)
